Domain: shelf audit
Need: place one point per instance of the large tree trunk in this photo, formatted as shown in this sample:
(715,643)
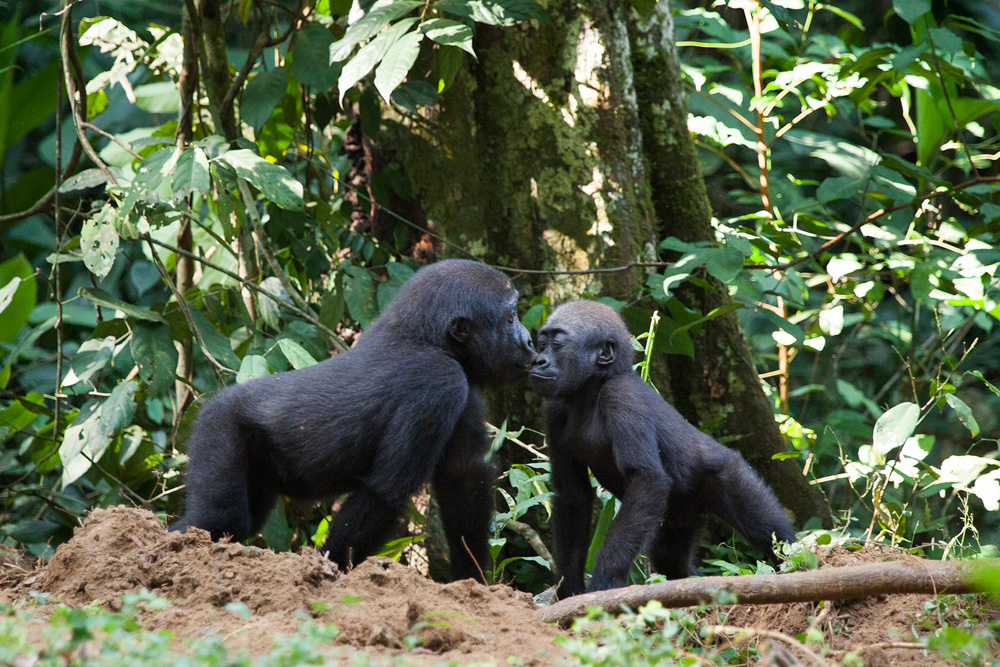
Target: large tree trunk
(719,385)
(566,147)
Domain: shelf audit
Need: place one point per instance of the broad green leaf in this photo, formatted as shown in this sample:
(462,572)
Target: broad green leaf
(359,294)
(262,94)
(369,24)
(603,526)
(21,301)
(158,97)
(273,181)
(99,241)
(911,10)
(154,352)
(19,414)
(7,293)
(218,344)
(32,108)
(831,320)
(191,173)
(276,532)
(842,265)
(449,63)
(88,178)
(117,410)
(371,54)
(95,426)
(449,33)
(253,366)
(295,353)
(495,12)
(964,413)
(101,298)
(894,427)
(89,358)
(724,263)
(311,58)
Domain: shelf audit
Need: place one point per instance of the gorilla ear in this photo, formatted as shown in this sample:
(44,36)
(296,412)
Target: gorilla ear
(460,328)
(607,354)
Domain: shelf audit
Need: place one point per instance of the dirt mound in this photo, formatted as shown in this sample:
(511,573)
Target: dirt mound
(874,627)
(378,604)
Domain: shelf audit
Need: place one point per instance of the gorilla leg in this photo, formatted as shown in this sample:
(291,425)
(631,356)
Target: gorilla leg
(360,527)
(222,495)
(463,487)
(741,498)
(673,548)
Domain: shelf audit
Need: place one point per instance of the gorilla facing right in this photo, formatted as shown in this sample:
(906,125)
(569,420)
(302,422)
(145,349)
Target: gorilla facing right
(377,422)
(667,473)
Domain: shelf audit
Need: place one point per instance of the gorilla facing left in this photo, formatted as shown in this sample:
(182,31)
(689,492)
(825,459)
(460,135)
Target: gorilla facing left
(377,422)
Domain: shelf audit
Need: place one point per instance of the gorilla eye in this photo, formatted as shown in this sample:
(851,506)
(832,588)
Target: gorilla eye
(511,318)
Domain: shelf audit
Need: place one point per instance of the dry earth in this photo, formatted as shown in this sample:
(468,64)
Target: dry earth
(379,604)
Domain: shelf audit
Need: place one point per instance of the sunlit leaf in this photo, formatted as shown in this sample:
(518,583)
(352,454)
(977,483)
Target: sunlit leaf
(894,427)
(449,33)
(964,413)
(273,180)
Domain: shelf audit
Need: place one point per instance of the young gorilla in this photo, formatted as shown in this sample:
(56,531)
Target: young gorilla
(666,472)
(376,422)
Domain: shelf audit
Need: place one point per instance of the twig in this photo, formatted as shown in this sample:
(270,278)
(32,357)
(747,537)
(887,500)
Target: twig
(532,537)
(770,634)
(474,561)
(875,216)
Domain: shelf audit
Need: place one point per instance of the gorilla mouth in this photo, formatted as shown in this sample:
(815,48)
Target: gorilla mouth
(544,377)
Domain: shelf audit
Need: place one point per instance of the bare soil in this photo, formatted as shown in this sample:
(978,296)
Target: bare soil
(379,604)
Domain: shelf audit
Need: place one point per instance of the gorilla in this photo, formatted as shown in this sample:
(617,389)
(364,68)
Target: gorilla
(667,473)
(377,422)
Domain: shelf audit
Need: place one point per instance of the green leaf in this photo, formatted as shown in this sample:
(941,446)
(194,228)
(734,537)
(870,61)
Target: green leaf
(88,178)
(964,413)
(218,344)
(261,96)
(99,241)
(253,366)
(297,355)
(359,294)
(276,531)
(449,63)
(603,526)
(154,352)
(368,25)
(191,173)
(496,12)
(7,293)
(21,301)
(101,298)
(371,54)
(158,97)
(449,33)
(894,427)
(979,375)
(89,358)
(831,320)
(724,263)
(311,58)
(273,180)
(117,410)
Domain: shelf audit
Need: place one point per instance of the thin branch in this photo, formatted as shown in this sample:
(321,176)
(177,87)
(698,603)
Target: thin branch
(770,634)
(265,247)
(74,76)
(947,99)
(875,216)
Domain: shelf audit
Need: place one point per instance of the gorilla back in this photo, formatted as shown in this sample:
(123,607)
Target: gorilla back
(666,472)
(379,421)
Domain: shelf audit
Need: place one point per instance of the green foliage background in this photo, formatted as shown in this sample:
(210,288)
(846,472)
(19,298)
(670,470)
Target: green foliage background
(849,151)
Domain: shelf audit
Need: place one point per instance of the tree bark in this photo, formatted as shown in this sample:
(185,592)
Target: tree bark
(842,583)
(720,384)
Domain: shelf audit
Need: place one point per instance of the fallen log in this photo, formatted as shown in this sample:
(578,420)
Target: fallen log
(836,583)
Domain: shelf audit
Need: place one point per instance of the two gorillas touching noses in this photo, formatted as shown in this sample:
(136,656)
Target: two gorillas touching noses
(401,408)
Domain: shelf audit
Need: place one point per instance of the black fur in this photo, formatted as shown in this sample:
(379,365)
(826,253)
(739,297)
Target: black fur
(378,422)
(666,472)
